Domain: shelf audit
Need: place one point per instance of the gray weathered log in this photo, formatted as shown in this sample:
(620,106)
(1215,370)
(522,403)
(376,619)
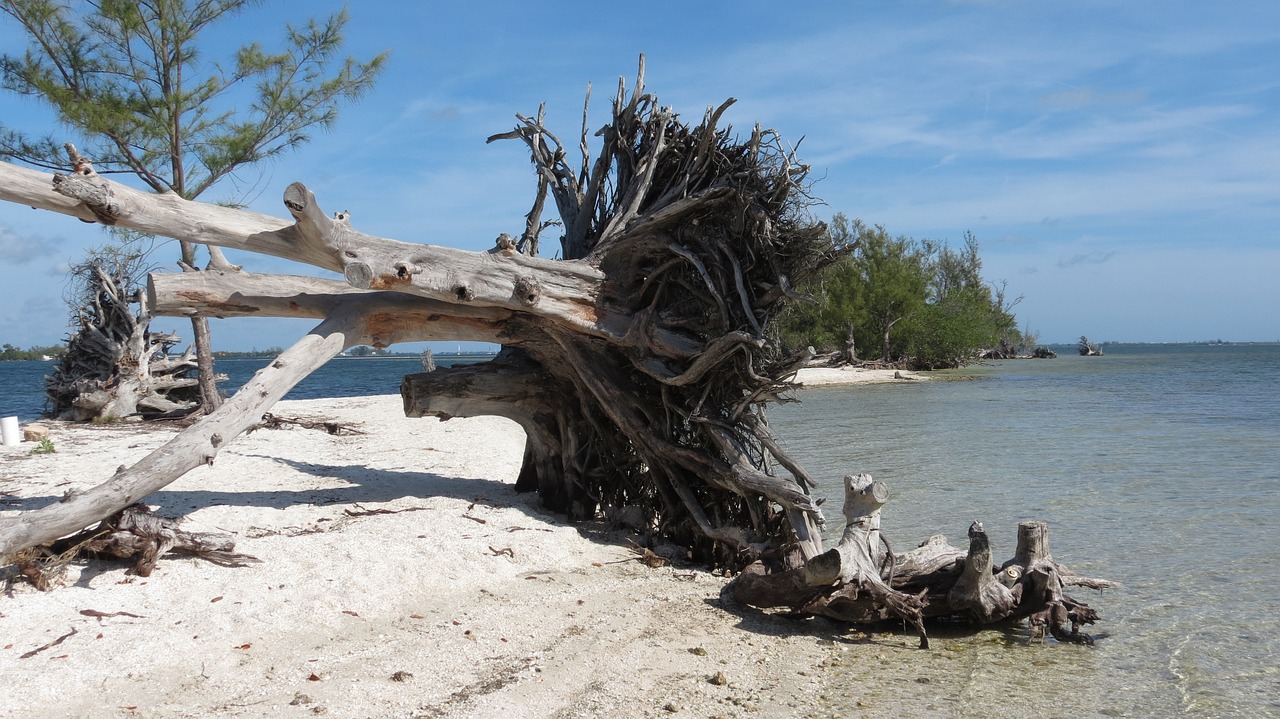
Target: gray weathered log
(860,551)
(388,317)
(976,592)
(848,582)
(568,289)
(860,582)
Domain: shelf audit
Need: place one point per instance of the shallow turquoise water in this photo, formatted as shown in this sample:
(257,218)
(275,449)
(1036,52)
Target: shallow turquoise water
(1156,466)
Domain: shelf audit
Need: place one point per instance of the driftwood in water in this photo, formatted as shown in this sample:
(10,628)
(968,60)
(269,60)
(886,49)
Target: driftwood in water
(862,582)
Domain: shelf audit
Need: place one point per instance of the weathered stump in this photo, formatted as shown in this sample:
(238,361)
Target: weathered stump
(849,582)
(861,581)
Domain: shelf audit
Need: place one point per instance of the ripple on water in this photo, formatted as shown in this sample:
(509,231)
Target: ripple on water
(1157,469)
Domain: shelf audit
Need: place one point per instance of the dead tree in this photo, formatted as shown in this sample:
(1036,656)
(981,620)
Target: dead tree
(638,365)
(114,367)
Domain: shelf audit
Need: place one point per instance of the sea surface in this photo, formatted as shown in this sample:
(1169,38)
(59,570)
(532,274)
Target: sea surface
(22,383)
(1157,466)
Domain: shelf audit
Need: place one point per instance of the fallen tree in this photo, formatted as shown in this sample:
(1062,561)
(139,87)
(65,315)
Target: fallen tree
(638,365)
(114,366)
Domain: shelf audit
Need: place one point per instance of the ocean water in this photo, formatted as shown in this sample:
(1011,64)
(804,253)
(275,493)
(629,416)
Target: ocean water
(22,383)
(1157,466)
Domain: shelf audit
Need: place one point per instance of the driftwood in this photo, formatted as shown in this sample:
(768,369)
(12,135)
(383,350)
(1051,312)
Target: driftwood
(849,582)
(132,533)
(638,364)
(273,421)
(114,367)
(861,581)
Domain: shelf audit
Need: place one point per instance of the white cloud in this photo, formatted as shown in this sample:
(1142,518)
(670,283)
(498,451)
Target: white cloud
(20,250)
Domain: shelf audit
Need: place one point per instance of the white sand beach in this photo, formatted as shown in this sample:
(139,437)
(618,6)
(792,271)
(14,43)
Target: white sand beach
(400,576)
(820,376)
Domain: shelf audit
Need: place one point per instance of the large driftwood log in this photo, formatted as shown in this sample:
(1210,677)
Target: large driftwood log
(849,582)
(681,243)
(638,366)
(368,262)
(860,581)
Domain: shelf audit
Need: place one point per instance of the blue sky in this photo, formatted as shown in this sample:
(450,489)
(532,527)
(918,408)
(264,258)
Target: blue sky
(1119,162)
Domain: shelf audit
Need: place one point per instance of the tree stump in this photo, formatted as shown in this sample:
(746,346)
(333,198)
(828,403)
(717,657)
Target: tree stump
(860,581)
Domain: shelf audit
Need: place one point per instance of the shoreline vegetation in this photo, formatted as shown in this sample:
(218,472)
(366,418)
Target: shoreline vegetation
(400,575)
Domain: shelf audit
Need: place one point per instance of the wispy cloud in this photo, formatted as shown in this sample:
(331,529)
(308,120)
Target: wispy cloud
(21,250)
(1091,258)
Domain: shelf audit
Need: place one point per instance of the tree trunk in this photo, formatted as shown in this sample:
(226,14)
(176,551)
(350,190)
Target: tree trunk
(210,399)
(850,347)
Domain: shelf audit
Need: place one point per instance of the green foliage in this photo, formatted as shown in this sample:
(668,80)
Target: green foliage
(10,352)
(913,302)
(44,447)
(132,79)
(860,297)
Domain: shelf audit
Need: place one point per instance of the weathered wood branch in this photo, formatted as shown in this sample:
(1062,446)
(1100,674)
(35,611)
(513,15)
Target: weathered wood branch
(516,387)
(138,533)
(976,592)
(196,445)
(388,317)
(561,291)
(566,290)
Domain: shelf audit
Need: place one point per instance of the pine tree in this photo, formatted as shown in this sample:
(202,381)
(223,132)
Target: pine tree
(131,82)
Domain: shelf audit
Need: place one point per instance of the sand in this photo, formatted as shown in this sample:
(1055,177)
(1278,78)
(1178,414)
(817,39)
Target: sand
(465,599)
(820,376)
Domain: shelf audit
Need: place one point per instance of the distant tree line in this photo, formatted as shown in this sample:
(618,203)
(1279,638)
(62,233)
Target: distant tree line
(251,354)
(9,352)
(900,301)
